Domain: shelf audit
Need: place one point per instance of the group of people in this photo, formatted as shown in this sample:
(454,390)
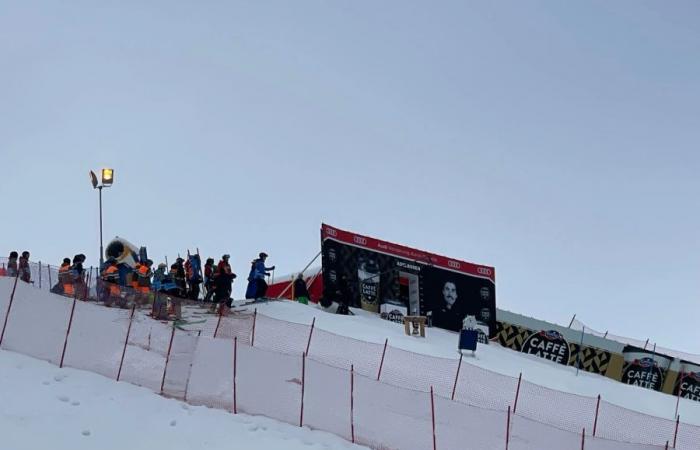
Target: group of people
(120,284)
(18,266)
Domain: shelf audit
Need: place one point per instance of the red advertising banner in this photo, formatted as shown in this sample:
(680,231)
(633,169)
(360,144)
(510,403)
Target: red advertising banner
(376,245)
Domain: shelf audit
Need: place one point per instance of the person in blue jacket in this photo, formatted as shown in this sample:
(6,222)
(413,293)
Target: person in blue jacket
(258,274)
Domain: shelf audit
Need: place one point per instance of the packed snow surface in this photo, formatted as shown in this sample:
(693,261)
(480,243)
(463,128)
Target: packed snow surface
(370,327)
(44,407)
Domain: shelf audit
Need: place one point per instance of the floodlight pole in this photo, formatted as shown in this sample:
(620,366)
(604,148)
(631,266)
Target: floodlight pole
(102,259)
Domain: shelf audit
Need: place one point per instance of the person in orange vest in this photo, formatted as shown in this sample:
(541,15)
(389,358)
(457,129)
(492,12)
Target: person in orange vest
(110,276)
(143,274)
(65,280)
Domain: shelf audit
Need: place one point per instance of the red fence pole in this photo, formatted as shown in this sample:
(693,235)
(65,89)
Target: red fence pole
(126,341)
(65,342)
(303,382)
(235,362)
(381,363)
(255,317)
(218,322)
(432,413)
(678,398)
(675,433)
(352,403)
(517,392)
(595,421)
(167,359)
(9,306)
(508,428)
(311,333)
(459,366)
(583,439)
(40,275)
(48,269)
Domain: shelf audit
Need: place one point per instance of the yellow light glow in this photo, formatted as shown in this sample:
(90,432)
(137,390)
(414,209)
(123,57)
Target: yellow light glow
(107,176)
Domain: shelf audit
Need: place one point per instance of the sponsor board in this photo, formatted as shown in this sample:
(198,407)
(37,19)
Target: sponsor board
(549,345)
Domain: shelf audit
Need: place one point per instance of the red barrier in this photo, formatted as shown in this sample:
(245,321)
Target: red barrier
(432,415)
(517,392)
(459,366)
(65,343)
(167,358)
(675,433)
(235,361)
(508,427)
(311,333)
(352,403)
(9,307)
(381,363)
(255,317)
(218,322)
(583,439)
(126,341)
(595,421)
(303,383)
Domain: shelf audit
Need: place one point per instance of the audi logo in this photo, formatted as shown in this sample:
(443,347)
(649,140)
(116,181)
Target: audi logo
(484,271)
(331,232)
(454,264)
(359,240)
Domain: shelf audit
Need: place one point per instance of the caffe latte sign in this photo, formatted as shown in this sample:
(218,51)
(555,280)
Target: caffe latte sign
(549,345)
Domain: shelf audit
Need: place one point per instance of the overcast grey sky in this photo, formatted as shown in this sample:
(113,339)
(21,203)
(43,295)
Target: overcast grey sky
(557,141)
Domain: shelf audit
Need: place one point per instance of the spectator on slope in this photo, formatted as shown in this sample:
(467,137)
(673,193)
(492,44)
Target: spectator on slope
(223,268)
(25,273)
(144,274)
(77,273)
(259,275)
(193,271)
(162,283)
(222,291)
(342,295)
(252,282)
(301,292)
(177,292)
(209,279)
(12,265)
(179,277)
(110,276)
(65,281)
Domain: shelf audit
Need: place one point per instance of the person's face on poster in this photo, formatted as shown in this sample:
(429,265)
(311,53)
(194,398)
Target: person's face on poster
(449,294)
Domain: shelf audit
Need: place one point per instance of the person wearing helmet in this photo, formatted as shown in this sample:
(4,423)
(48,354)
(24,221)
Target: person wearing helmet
(260,271)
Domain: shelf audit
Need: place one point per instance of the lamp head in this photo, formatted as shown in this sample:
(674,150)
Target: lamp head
(93,179)
(107,177)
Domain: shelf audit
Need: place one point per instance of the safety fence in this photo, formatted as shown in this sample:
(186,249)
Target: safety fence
(459,380)
(373,394)
(295,388)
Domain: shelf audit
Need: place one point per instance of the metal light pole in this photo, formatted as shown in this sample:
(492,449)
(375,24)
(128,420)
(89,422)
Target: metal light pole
(107,180)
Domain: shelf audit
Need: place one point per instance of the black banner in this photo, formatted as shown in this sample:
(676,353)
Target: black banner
(367,278)
(644,368)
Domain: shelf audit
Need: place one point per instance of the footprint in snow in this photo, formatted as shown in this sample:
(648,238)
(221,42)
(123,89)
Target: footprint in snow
(63,398)
(59,377)
(86,433)
(75,403)
(173,423)
(45,383)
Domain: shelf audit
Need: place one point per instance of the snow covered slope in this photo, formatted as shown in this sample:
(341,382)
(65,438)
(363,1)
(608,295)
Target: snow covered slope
(369,327)
(65,409)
